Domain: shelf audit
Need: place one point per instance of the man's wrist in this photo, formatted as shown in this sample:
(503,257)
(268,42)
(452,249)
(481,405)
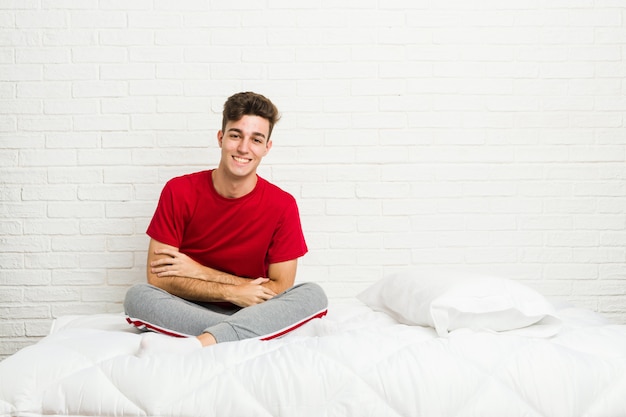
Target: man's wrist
(227,292)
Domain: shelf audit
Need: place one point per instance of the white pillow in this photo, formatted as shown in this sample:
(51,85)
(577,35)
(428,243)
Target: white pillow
(447,301)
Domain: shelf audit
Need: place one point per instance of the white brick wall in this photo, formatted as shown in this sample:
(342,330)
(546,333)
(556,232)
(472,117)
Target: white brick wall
(484,135)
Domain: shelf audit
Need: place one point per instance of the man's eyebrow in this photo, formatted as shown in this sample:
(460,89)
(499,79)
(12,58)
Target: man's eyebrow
(234,129)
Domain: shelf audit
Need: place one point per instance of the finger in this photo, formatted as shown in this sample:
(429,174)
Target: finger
(259,281)
(165,251)
(267,293)
(161,262)
(167,273)
(268,297)
(160,268)
(159,271)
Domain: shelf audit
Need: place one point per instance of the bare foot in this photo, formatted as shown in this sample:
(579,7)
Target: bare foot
(207,339)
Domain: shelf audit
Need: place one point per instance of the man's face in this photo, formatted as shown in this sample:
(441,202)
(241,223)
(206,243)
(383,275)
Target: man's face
(244,143)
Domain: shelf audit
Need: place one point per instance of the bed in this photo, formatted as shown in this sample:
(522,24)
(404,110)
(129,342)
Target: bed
(427,345)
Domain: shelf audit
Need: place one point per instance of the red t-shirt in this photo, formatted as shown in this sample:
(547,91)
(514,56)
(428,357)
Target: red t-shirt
(240,236)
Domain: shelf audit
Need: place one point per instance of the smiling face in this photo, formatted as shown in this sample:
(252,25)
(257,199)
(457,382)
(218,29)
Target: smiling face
(244,143)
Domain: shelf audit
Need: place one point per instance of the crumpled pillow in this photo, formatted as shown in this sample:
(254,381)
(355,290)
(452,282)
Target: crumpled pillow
(449,301)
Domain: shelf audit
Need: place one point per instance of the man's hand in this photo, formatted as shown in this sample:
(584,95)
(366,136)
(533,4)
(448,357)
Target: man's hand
(251,293)
(176,264)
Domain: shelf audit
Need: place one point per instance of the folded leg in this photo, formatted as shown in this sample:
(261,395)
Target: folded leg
(155,309)
(274,318)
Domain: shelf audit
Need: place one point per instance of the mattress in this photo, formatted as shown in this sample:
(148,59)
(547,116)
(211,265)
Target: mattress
(354,362)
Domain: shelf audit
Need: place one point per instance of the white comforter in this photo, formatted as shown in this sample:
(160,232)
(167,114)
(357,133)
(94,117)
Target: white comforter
(354,362)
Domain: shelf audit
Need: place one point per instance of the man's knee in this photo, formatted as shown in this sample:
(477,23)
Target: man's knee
(313,294)
(136,296)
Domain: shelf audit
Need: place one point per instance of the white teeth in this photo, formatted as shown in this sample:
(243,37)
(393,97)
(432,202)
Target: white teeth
(242,160)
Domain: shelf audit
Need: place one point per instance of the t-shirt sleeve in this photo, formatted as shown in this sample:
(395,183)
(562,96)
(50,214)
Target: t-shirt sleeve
(288,241)
(168,223)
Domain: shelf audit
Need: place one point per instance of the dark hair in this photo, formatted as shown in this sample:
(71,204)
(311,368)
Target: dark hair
(249,104)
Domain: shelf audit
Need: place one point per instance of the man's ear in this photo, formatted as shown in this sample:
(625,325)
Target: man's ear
(269,146)
(220,136)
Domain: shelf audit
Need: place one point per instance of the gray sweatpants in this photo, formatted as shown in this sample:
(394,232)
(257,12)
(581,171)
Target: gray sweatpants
(284,312)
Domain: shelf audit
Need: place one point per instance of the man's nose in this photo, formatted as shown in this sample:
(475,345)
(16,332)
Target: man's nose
(244,145)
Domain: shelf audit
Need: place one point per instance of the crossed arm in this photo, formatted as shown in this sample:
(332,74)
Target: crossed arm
(180,275)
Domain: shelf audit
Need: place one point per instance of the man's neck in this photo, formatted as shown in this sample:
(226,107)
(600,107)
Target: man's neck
(229,187)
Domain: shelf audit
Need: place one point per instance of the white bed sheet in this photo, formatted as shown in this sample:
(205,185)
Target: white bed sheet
(354,362)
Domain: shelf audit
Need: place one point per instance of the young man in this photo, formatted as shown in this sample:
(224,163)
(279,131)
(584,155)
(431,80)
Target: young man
(224,248)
